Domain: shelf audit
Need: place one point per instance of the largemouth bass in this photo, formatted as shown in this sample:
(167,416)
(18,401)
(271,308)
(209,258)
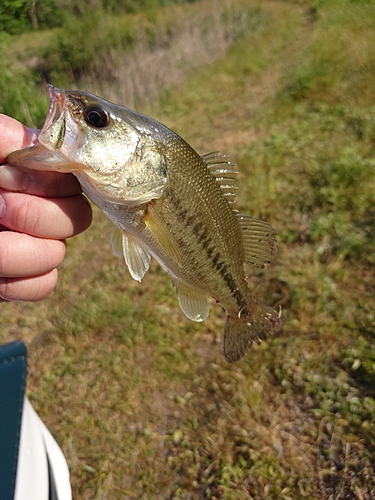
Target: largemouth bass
(167,202)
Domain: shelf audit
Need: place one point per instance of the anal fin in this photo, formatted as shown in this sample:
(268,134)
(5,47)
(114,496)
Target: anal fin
(194,304)
(135,255)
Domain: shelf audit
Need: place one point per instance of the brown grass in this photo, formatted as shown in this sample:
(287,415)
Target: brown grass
(179,43)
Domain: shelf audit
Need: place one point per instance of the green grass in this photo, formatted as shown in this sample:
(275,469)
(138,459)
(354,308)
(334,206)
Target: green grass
(141,399)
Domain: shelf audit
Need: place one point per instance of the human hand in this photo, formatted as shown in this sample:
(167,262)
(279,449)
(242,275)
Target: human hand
(38,210)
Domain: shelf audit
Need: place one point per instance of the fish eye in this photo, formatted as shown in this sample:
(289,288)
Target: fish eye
(96,117)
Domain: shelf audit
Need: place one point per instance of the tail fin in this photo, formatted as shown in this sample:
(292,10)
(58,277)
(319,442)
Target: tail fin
(248,327)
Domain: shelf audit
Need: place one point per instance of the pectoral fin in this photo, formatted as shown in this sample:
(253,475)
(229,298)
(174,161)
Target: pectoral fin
(162,234)
(195,305)
(135,255)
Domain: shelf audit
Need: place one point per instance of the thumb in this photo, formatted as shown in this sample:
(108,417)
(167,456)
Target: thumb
(14,135)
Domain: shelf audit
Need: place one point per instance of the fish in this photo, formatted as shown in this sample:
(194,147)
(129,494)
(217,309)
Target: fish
(167,202)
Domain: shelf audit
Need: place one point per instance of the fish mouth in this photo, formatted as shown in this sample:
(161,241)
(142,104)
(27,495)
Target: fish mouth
(53,131)
(57,100)
(46,154)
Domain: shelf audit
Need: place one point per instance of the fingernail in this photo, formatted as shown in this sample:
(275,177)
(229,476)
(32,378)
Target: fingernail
(2,206)
(14,178)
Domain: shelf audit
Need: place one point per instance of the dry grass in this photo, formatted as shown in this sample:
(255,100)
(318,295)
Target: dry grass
(140,399)
(177,43)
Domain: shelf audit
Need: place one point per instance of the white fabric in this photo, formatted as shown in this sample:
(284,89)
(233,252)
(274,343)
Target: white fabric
(32,471)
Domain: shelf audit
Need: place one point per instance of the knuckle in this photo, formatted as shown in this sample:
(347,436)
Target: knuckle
(25,216)
(3,258)
(28,289)
(4,288)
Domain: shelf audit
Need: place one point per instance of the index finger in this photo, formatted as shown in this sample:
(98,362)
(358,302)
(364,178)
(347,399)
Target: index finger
(37,182)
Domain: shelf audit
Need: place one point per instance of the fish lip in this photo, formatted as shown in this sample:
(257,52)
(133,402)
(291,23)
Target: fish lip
(57,98)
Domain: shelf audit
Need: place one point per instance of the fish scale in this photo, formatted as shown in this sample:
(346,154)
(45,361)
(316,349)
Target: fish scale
(167,202)
(225,246)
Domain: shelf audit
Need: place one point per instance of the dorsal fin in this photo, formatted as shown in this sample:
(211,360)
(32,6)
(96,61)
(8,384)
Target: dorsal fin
(259,240)
(225,173)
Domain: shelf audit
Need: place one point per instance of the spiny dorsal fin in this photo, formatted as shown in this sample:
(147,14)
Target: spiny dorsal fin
(259,239)
(194,304)
(225,173)
(136,257)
